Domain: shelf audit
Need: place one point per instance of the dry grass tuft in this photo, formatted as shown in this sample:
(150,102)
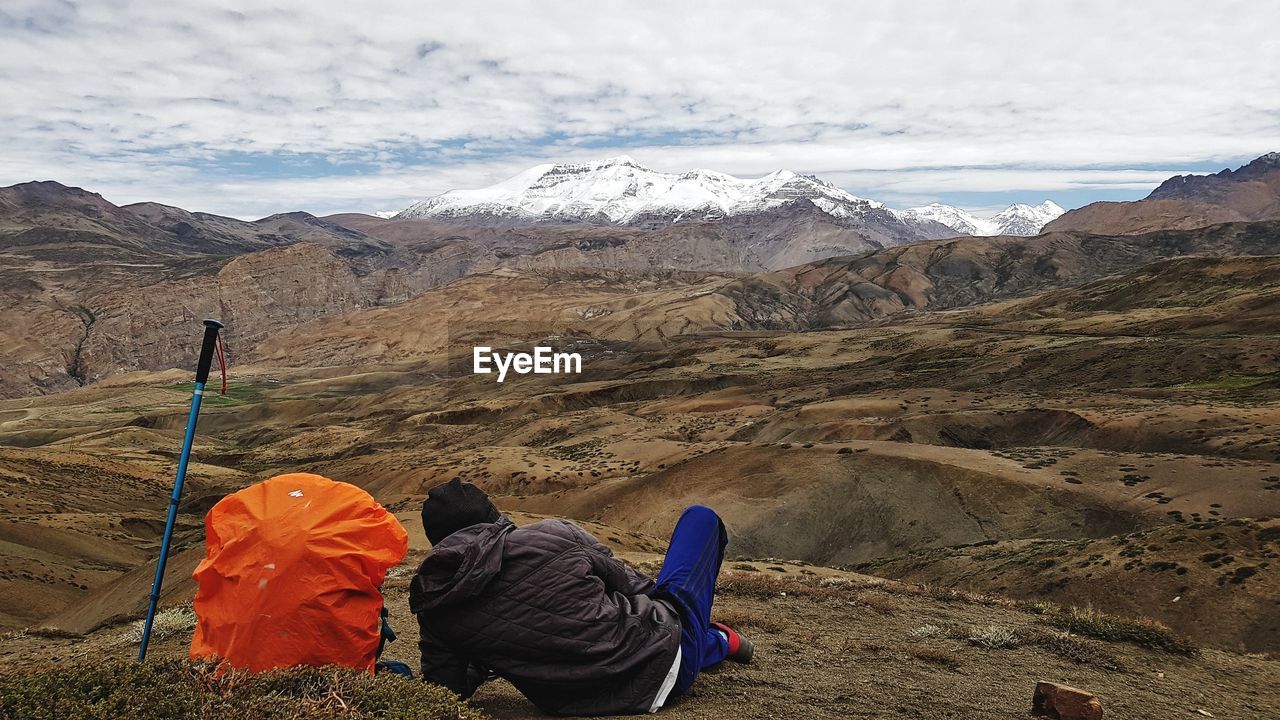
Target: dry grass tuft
(748,620)
(882,604)
(762,587)
(936,656)
(995,637)
(1144,632)
(929,632)
(1068,646)
(169,622)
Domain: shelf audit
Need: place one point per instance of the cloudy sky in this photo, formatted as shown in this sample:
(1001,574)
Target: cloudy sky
(331,106)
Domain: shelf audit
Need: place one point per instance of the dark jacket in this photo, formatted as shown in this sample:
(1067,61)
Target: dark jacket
(549,608)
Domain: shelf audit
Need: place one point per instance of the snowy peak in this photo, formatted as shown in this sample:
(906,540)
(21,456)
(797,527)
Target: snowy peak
(621,191)
(959,220)
(1017,219)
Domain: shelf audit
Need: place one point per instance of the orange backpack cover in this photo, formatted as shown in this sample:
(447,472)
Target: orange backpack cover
(291,575)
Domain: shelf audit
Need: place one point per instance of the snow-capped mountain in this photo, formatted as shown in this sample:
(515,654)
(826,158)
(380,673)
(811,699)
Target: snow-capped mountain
(1017,219)
(959,220)
(1020,219)
(622,191)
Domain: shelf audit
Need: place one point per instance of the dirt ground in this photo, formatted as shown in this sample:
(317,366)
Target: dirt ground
(838,645)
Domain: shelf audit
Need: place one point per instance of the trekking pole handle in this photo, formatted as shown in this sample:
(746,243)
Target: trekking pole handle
(211,329)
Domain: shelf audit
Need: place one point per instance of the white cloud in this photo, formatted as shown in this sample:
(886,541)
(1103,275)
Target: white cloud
(154,100)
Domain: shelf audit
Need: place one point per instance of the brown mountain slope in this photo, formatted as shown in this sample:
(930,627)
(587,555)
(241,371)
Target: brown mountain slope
(90,289)
(1196,295)
(495,308)
(93,289)
(1217,580)
(967,271)
(837,292)
(759,243)
(1183,202)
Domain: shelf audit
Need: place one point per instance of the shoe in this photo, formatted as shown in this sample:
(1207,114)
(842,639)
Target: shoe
(740,648)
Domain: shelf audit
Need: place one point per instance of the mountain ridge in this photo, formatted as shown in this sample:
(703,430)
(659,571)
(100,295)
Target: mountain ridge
(1249,193)
(1017,219)
(621,191)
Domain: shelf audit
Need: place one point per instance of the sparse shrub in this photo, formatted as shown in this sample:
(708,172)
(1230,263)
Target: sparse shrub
(835,581)
(880,603)
(168,622)
(1067,646)
(1244,572)
(926,632)
(944,594)
(549,436)
(994,637)
(762,586)
(1143,632)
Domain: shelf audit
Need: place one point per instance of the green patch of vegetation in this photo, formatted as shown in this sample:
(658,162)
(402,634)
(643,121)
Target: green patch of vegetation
(549,436)
(178,689)
(1226,382)
(1143,632)
(578,451)
(238,393)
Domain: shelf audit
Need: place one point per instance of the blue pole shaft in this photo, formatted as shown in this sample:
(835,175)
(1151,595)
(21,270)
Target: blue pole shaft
(196,397)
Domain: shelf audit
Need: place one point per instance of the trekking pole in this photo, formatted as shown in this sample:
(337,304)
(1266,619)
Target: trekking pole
(211,328)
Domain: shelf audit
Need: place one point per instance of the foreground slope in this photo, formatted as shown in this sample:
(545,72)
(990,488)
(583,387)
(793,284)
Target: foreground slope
(834,644)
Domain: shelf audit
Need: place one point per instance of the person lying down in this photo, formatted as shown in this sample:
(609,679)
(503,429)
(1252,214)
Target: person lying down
(550,609)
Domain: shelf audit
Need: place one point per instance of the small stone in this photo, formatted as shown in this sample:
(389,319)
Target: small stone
(1205,713)
(1065,702)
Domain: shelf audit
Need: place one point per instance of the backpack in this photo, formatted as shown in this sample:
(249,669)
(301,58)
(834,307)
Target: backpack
(292,574)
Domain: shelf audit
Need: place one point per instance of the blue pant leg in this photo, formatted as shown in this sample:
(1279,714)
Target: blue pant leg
(688,578)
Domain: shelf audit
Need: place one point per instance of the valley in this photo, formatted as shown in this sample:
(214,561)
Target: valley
(837,447)
(998,432)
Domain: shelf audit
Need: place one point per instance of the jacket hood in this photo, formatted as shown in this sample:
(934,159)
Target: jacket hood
(461,566)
